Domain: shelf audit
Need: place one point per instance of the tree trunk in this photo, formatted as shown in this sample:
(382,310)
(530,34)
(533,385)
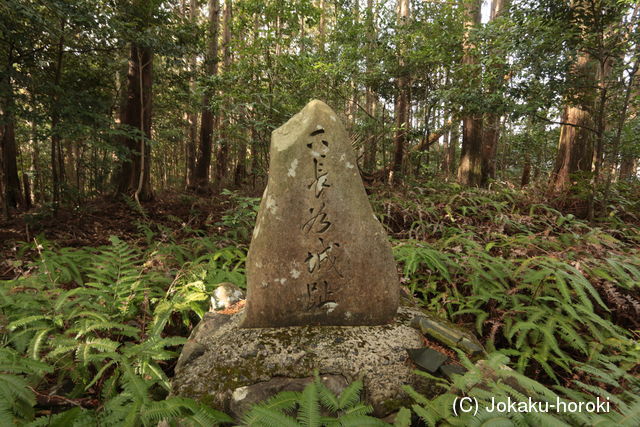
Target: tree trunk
(57,154)
(628,168)
(454,137)
(192,116)
(321,26)
(222,157)
(27,191)
(470,168)
(575,147)
(491,130)
(526,171)
(446,161)
(402,101)
(490,136)
(135,175)
(11,182)
(628,162)
(241,157)
(38,191)
(370,141)
(201,176)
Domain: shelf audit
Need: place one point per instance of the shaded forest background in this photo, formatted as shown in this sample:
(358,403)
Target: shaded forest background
(138,97)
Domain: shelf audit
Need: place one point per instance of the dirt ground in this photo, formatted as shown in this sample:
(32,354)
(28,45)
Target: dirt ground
(91,223)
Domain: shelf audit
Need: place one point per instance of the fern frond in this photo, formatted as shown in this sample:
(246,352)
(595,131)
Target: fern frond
(328,399)
(353,420)
(269,417)
(350,395)
(309,410)
(403,418)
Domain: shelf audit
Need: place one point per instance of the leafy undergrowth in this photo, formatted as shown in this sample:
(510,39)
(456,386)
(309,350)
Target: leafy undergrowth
(91,335)
(558,296)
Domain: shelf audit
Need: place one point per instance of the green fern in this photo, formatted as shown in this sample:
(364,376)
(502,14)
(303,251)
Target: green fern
(497,387)
(305,408)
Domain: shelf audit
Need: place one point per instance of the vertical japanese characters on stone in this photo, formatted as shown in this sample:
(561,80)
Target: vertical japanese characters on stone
(318,255)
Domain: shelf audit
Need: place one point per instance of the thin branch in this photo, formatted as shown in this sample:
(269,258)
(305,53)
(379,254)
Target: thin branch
(565,123)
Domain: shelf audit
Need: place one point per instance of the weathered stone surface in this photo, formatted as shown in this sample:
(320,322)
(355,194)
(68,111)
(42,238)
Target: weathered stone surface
(236,357)
(193,349)
(318,255)
(448,334)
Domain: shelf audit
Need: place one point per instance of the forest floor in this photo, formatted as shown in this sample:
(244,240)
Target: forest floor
(93,222)
(557,295)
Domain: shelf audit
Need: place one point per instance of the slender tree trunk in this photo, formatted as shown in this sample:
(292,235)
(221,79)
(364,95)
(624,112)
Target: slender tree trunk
(135,175)
(470,168)
(254,135)
(446,160)
(454,137)
(491,136)
(600,119)
(371,140)
(628,161)
(402,101)
(201,176)
(222,157)
(38,191)
(321,26)
(604,69)
(370,99)
(242,166)
(192,116)
(57,154)
(628,168)
(27,190)
(11,182)
(526,171)
(241,161)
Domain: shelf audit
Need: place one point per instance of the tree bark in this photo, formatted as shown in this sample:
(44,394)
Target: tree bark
(526,171)
(12,193)
(370,99)
(454,137)
(470,168)
(575,157)
(491,129)
(201,176)
(628,163)
(192,116)
(57,154)
(135,174)
(321,26)
(222,157)
(11,182)
(628,168)
(38,190)
(575,147)
(402,101)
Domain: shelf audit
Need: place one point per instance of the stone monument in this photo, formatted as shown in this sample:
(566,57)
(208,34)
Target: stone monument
(323,292)
(318,255)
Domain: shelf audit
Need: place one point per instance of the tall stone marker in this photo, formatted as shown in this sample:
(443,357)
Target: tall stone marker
(318,255)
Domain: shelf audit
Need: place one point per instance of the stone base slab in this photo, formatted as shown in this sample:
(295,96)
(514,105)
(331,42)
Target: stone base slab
(228,367)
